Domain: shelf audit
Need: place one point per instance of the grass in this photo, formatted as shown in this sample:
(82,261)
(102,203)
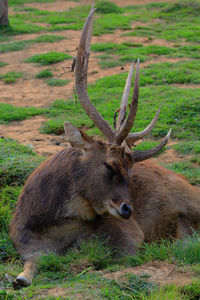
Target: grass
(17,162)
(74,274)
(44,74)
(20,45)
(180,108)
(2,64)
(183,16)
(188,147)
(11,77)
(127,52)
(187,170)
(48,58)
(9,113)
(182,252)
(148,145)
(57,82)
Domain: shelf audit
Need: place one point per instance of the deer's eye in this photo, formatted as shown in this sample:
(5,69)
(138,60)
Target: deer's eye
(110,171)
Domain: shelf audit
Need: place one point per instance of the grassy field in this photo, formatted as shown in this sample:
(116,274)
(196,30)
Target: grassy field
(165,35)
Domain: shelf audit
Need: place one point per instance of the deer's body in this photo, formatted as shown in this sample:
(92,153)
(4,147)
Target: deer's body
(101,188)
(165,204)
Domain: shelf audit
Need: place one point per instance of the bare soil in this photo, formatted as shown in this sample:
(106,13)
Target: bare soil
(161,273)
(29,91)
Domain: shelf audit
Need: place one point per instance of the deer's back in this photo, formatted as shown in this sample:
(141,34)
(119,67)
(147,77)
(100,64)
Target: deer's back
(162,199)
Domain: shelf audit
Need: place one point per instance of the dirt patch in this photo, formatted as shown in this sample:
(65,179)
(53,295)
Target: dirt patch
(56,6)
(27,133)
(161,273)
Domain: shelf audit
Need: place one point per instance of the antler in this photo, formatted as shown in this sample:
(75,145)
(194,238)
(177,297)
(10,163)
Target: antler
(81,79)
(124,125)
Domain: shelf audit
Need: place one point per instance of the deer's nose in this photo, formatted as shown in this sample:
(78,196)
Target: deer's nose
(126,211)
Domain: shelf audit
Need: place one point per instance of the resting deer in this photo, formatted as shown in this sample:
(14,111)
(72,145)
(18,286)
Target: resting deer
(101,187)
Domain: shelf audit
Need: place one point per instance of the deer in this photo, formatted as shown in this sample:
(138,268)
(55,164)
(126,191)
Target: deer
(101,187)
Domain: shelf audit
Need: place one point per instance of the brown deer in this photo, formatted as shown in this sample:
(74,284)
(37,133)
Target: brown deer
(102,188)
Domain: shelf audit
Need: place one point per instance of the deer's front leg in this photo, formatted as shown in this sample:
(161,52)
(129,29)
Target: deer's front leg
(25,278)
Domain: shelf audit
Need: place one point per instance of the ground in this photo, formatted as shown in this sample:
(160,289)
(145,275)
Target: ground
(30,91)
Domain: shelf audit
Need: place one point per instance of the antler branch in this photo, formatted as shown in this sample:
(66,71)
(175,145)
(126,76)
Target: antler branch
(132,137)
(124,101)
(143,155)
(121,136)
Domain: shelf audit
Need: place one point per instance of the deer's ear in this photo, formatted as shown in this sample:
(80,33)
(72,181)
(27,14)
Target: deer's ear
(77,138)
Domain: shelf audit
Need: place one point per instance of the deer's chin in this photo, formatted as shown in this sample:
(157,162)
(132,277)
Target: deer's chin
(112,211)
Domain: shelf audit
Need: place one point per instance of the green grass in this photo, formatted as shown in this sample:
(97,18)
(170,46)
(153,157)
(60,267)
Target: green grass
(183,252)
(9,113)
(48,58)
(175,22)
(188,147)
(57,82)
(2,64)
(44,74)
(12,46)
(48,39)
(127,52)
(179,107)
(11,77)
(187,169)
(107,7)
(147,145)
(20,45)
(182,72)
(17,162)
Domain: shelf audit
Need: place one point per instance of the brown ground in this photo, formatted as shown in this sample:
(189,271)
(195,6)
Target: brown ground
(159,273)
(29,91)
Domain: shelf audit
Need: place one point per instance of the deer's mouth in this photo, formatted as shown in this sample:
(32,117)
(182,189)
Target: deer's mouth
(124,211)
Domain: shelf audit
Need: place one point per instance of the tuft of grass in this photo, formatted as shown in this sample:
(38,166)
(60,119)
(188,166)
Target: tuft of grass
(7,250)
(107,7)
(96,252)
(2,64)
(147,145)
(44,74)
(57,82)
(17,162)
(8,196)
(13,46)
(11,77)
(9,112)
(192,147)
(20,45)
(192,291)
(48,58)
(48,39)
(186,169)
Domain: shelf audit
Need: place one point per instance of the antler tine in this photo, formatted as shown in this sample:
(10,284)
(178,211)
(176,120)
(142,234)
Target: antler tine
(121,136)
(81,79)
(125,96)
(143,155)
(132,137)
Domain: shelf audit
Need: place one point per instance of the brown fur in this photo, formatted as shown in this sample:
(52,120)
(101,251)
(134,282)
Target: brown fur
(66,200)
